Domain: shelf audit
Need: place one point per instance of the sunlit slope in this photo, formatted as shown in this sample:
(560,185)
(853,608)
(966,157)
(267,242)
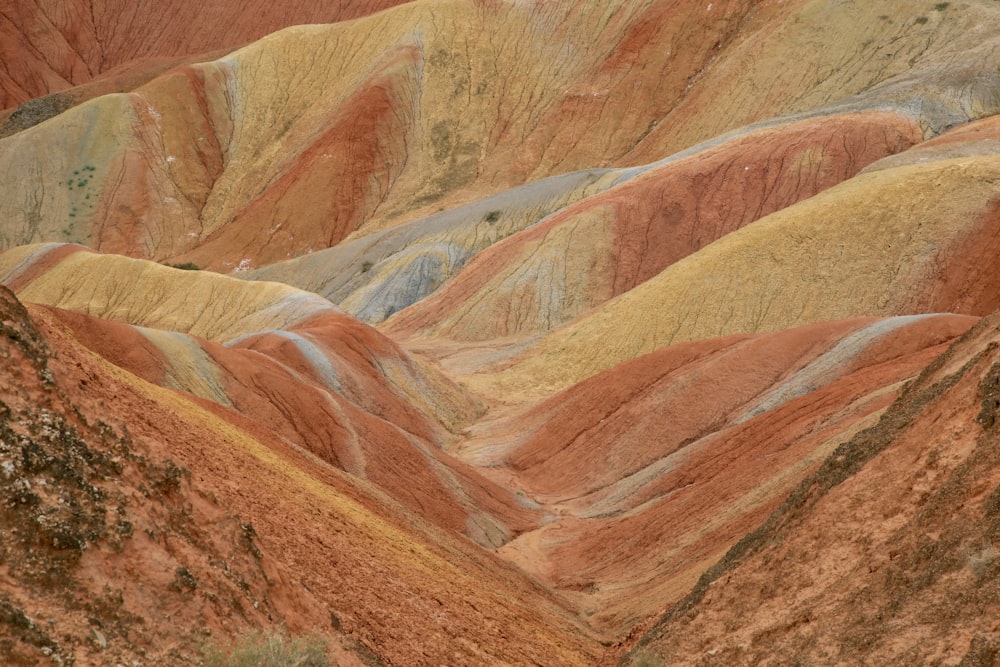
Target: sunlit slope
(608,243)
(915,239)
(148,294)
(315,133)
(56,48)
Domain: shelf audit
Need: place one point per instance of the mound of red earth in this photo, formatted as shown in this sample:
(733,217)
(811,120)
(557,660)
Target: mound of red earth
(139,523)
(473,333)
(652,468)
(884,556)
(56,47)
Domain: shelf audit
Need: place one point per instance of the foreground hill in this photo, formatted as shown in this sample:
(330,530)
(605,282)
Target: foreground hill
(885,556)
(537,482)
(652,468)
(501,332)
(216,522)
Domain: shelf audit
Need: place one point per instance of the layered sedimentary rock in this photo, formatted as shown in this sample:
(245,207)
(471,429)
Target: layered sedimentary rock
(610,242)
(885,555)
(653,468)
(243,147)
(916,238)
(59,45)
(327,382)
(220,523)
(500,332)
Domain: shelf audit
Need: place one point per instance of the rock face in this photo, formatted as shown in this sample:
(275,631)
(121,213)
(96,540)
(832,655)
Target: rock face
(899,521)
(500,332)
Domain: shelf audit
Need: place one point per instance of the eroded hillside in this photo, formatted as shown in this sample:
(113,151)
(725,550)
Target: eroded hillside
(500,332)
(885,556)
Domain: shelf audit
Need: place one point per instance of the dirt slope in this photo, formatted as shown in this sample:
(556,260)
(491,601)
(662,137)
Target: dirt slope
(488,332)
(321,549)
(59,45)
(893,241)
(886,556)
(226,163)
(650,470)
(323,380)
(610,242)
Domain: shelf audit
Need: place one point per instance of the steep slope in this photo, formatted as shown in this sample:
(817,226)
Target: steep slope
(228,164)
(534,310)
(148,294)
(924,56)
(652,469)
(59,45)
(610,242)
(322,380)
(376,275)
(886,556)
(334,551)
(308,387)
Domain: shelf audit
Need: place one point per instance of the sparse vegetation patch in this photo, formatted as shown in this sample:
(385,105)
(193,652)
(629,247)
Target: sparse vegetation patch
(35,111)
(83,196)
(185,266)
(273,649)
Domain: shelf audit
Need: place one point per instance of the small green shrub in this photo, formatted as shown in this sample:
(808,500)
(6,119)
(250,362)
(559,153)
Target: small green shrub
(366,267)
(185,266)
(921,20)
(492,216)
(941,6)
(271,649)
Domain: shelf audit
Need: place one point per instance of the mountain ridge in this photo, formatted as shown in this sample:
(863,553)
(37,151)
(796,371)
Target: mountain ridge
(500,332)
